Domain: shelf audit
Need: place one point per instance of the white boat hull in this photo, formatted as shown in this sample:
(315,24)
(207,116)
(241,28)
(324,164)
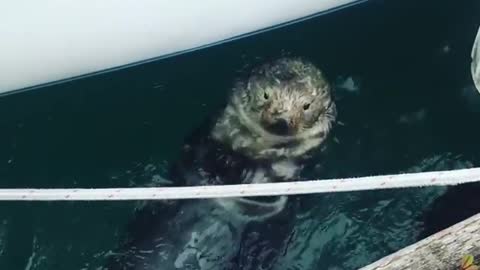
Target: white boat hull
(53,40)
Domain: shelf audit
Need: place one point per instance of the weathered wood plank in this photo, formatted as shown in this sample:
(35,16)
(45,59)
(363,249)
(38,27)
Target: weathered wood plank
(443,250)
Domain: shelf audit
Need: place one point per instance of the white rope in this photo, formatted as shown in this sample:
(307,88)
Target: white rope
(475,65)
(437,178)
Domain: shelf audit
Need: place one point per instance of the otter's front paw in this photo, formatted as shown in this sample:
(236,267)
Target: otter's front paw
(285,169)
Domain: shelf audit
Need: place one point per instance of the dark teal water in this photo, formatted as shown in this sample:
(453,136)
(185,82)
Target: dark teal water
(414,112)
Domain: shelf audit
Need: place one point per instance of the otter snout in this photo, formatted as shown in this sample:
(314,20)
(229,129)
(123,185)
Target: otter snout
(279,126)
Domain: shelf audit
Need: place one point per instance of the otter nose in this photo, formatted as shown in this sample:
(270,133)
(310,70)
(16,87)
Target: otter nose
(280,127)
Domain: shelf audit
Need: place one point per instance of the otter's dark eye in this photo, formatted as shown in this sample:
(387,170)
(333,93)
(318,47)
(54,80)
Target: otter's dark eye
(265,95)
(306,106)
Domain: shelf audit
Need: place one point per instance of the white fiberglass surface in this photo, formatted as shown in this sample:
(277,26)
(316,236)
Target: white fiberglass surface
(51,40)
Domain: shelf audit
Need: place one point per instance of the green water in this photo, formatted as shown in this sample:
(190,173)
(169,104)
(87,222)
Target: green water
(122,129)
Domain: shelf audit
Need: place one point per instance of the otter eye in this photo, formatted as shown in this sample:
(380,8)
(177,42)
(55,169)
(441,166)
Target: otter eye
(306,106)
(265,95)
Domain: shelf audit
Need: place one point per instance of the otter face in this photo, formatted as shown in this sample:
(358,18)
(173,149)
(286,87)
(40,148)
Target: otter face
(290,101)
(287,97)
(284,109)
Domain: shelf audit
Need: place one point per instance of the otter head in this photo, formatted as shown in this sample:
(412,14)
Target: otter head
(287,98)
(283,110)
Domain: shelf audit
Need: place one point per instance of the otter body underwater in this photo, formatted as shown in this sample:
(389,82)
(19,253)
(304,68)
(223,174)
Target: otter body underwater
(274,121)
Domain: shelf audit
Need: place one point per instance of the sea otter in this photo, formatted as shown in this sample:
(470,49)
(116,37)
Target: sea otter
(276,118)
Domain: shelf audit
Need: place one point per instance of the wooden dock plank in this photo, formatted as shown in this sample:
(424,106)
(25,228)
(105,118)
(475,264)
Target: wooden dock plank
(441,251)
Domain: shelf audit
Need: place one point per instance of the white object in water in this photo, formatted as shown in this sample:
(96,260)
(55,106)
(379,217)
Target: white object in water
(422,179)
(51,40)
(475,66)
